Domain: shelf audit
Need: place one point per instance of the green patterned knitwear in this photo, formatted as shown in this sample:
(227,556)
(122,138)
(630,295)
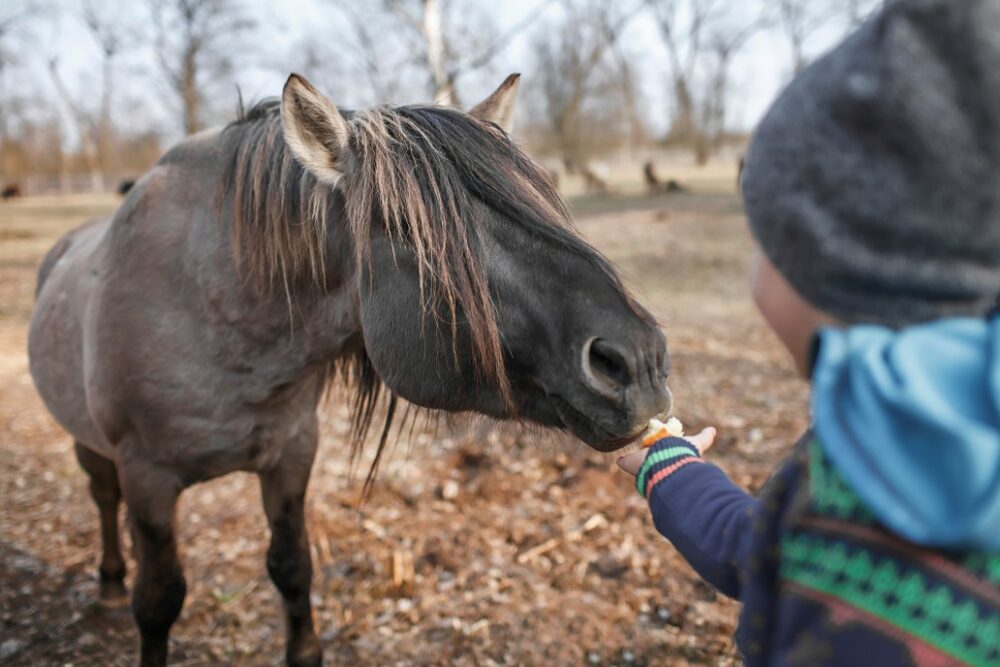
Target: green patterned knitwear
(839,555)
(821,581)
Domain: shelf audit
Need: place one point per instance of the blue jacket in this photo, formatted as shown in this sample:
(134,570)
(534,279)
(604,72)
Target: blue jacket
(860,564)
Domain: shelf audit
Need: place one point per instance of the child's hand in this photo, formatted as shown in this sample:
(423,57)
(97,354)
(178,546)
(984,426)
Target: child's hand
(631,463)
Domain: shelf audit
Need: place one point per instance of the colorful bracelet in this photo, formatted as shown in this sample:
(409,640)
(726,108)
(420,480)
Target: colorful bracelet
(665,458)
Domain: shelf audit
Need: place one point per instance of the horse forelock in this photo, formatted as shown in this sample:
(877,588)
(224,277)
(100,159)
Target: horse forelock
(407,183)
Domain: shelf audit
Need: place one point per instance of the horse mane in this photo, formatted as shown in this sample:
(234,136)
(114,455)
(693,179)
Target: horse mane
(416,171)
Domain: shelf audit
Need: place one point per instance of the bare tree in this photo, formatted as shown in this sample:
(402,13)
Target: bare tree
(725,40)
(423,18)
(572,68)
(13,17)
(561,78)
(683,25)
(628,84)
(611,26)
(854,11)
(191,36)
(36,115)
(82,124)
(444,80)
(800,19)
(351,55)
(447,50)
(702,37)
(111,36)
(381,77)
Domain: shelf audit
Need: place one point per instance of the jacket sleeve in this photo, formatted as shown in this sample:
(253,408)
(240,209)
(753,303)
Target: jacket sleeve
(698,508)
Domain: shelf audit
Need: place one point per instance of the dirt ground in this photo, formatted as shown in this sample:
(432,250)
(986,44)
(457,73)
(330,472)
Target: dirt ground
(526,548)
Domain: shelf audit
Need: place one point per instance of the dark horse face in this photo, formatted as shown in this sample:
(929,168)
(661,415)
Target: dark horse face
(476,292)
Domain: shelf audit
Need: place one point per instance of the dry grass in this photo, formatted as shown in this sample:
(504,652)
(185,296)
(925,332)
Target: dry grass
(479,547)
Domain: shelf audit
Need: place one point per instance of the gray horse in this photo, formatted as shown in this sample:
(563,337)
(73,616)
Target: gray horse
(414,248)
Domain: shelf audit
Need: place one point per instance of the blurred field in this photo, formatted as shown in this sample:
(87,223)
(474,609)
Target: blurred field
(526,548)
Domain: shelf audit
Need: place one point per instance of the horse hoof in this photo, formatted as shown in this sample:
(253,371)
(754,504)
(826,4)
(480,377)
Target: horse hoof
(315,660)
(309,655)
(113,596)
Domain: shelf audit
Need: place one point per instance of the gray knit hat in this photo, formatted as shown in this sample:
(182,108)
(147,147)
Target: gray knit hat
(873,183)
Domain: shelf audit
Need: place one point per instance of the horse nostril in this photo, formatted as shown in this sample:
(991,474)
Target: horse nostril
(605,366)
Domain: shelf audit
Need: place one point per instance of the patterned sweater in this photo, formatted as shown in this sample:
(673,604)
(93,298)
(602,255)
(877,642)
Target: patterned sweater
(820,581)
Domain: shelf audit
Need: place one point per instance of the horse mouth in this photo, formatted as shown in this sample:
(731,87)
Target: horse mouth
(588,429)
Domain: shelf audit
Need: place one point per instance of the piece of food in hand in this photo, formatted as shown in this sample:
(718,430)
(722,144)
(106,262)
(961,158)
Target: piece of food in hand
(658,430)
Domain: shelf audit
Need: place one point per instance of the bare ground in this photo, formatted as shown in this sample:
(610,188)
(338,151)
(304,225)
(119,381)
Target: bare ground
(525,547)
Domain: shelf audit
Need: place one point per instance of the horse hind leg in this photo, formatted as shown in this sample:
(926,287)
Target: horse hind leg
(283,489)
(107,495)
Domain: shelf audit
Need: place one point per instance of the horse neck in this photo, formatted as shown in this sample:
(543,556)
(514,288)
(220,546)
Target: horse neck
(330,316)
(294,320)
(276,292)
(324,316)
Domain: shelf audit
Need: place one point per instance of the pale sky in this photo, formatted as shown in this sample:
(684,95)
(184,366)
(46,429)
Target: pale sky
(758,73)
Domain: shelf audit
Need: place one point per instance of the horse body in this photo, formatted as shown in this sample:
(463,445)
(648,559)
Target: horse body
(193,333)
(224,378)
(149,349)
(57,358)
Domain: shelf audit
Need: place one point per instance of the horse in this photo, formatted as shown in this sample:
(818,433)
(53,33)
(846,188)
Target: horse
(655,186)
(651,179)
(11,191)
(413,252)
(594,181)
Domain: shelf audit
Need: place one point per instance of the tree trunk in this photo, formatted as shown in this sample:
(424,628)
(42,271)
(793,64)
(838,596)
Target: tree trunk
(854,12)
(3,118)
(702,150)
(64,181)
(636,131)
(104,121)
(684,127)
(799,61)
(569,139)
(719,102)
(87,144)
(441,79)
(189,90)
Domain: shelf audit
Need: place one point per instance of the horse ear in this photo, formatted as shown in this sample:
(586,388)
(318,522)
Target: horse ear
(499,107)
(314,129)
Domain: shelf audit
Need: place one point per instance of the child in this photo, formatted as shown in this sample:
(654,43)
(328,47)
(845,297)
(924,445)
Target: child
(873,189)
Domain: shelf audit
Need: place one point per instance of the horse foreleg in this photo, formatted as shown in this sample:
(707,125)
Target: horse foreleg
(107,496)
(159,589)
(283,489)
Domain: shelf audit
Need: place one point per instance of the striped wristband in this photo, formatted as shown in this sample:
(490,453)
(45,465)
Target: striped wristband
(664,459)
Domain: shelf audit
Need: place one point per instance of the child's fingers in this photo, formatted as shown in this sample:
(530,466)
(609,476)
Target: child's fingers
(631,463)
(704,440)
